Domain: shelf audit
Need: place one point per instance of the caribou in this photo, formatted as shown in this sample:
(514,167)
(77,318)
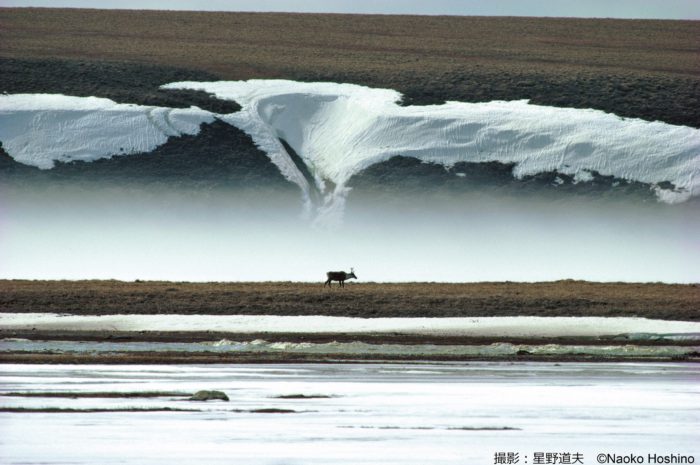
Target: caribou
(339,276)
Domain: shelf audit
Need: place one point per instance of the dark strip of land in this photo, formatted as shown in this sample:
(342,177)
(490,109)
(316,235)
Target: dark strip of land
(397,338)
(366,300)
(175,358)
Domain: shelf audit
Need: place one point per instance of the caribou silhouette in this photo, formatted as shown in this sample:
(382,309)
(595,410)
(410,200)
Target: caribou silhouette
(339,276)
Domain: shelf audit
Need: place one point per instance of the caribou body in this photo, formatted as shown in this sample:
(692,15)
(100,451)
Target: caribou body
(339,276)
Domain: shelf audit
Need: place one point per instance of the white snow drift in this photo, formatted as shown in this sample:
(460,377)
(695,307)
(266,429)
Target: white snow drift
(534,327)
(340,129)
(39,129)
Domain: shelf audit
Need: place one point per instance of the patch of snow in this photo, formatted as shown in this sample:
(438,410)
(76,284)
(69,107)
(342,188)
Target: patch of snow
(483,327)
(40,129)
(583,176)
(341,129)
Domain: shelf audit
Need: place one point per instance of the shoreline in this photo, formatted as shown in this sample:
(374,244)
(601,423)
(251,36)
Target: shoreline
(190,337)
(238,359)
(85,322)
(111,346)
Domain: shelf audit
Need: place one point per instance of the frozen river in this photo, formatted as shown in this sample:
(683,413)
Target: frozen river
(355,413)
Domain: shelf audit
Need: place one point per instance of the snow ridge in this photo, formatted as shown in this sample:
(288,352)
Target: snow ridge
(340,129)
(40,129)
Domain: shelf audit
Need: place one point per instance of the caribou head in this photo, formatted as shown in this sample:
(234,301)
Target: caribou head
(339,276)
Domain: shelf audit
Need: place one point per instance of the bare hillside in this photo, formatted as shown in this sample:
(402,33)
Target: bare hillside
(638,68)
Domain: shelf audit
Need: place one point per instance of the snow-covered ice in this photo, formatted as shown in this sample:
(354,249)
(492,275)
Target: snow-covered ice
(374,414)
(526,326)
(40,129)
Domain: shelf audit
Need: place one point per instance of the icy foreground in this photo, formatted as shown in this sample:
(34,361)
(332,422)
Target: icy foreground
(340,129)
(535,327)
(372,414)
(40,129)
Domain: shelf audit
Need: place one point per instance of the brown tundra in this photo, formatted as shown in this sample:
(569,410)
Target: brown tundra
(339,276)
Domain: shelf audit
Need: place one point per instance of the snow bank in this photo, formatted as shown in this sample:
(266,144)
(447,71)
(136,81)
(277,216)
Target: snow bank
(39,129)
(340,129)
(476,327)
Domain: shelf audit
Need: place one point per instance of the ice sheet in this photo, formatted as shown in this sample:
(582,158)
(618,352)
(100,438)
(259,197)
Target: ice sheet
(375,414)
